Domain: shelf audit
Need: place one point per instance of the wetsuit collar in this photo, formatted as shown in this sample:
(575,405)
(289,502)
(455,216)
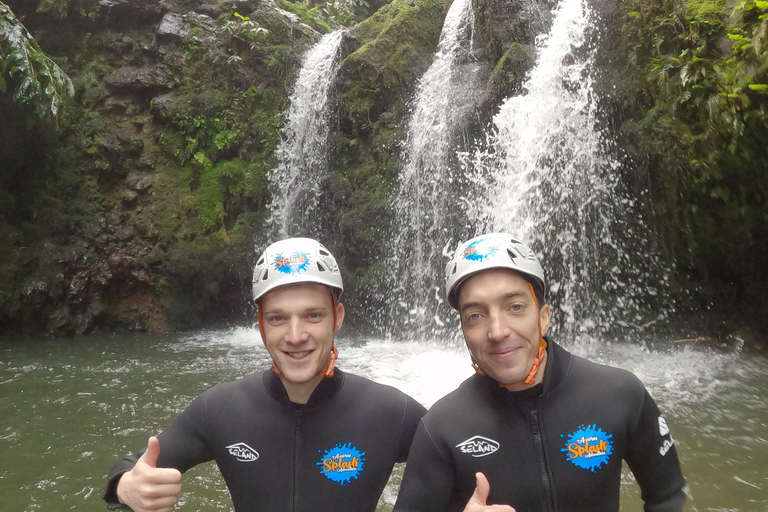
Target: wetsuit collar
(324,391)
(558,363)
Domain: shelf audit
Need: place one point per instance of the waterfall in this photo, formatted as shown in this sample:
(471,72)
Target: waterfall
(425,212)
(550,180)
(303,151)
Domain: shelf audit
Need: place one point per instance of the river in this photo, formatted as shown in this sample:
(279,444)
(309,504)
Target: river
(69,408)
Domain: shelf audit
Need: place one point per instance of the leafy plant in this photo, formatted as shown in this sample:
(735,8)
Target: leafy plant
(33,79)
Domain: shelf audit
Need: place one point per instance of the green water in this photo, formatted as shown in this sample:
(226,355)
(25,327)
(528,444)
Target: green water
(69,408)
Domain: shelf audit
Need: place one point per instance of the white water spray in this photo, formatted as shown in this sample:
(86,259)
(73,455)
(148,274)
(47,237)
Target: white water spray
(424,209)
(303,152)
(550,180)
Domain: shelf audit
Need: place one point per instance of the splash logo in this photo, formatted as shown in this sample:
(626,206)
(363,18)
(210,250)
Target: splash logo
(293,263)
(342,463)
(477,251)
(588,448)
(242,452)
(478,446)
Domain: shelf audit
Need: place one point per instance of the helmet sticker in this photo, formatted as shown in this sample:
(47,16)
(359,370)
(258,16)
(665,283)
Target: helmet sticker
(588,448)
(293,263)
(342,463)
(478,251)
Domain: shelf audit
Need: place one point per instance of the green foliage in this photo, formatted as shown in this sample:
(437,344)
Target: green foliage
(706,118)
(32,78)
(208,202)
(245,30)
(326,16)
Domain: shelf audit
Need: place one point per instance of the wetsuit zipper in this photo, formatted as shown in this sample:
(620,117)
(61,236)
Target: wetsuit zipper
(543,470)
(296,458)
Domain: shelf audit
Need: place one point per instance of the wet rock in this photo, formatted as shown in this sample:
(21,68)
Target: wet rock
(144,184)
(130,198)
(172,27)
(175,27)
(125,11)
(140,81)
(36,294)
(247,6)
(124,233)
(120,147)
(164,106)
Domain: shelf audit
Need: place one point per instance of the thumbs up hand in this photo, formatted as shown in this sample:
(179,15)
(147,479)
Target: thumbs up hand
(149,488)
(477,503)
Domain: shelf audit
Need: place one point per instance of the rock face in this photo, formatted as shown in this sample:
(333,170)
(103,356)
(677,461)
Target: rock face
(143,209)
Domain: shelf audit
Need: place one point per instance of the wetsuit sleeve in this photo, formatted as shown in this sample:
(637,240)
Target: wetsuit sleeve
(652,457)
(182,445)
(428,479)
(411,418)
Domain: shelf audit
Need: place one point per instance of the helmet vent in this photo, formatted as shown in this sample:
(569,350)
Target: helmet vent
(324,252)
(320,267)
(454,269)
(260,263)
(511,254)
(264,277)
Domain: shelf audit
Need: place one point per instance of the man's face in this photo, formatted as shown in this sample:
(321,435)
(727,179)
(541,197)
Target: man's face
(299,330)
(501,324)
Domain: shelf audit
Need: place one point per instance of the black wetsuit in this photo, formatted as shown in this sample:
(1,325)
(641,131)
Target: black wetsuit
(557,446)
(335,453)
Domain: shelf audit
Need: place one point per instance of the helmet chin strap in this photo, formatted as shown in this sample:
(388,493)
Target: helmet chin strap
(540,355)
(328,372)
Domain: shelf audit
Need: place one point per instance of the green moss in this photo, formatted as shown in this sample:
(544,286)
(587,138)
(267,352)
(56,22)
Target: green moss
(312,16)
(396,48)
(711,11)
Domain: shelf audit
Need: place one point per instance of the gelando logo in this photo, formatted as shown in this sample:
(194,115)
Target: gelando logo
(664,431)
(242,452)
(342,463)
(588,448)
(478,446)
(293,263)
(479,250)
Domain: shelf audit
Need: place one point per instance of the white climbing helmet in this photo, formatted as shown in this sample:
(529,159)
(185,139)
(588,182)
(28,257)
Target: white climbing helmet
(492,250)
(293,261)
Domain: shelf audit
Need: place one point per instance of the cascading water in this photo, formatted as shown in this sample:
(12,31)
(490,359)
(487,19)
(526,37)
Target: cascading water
(425,212)
(550,180)
(303,152)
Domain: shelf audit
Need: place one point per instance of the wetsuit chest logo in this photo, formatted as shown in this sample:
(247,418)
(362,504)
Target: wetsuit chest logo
(478,446)
(588,448)
(342,463)
(242,452)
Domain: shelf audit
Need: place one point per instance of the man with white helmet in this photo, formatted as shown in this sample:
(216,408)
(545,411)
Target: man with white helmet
(537,428)
(301,436)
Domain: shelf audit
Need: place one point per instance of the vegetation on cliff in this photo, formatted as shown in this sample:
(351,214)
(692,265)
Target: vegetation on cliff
(142,209)
(694,105)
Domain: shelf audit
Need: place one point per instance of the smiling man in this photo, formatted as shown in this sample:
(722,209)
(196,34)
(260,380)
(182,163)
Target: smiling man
(301,436)
(537,428)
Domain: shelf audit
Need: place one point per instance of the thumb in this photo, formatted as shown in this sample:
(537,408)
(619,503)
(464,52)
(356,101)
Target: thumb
(482,489)
(153,451)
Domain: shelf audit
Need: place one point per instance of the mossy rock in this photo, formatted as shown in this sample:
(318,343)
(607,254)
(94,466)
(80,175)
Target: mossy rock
(395,48)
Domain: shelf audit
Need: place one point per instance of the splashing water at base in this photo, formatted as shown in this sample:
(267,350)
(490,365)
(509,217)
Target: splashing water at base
(78,405)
